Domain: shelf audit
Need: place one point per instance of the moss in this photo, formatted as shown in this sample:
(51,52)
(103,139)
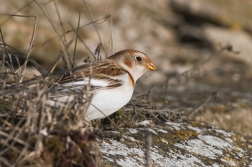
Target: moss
(185,134)
(4,105)
(67,148)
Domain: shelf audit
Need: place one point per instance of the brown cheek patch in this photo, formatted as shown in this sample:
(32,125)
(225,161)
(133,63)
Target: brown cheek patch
(128,63)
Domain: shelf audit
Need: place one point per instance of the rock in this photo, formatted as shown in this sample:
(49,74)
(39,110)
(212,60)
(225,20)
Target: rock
(240,40)
(175,144)
(213,24)
(229,14)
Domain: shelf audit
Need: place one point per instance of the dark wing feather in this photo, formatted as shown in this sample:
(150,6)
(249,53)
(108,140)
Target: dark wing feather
(106,71)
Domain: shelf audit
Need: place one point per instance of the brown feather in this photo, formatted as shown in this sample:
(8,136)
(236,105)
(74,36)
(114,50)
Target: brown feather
(100,70)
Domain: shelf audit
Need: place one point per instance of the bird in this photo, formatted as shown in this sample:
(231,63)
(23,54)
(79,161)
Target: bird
(110,81)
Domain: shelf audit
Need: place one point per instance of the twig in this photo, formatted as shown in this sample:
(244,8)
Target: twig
(76,37)
(45,12)
(147,151)
(98,21)
(15,138)
(98,51)
(10,51)
(91,16)
(22,68)
(5,162)
(93,56)
(196,67)
(213,96)
(15,12)
(60,20)
(29,50)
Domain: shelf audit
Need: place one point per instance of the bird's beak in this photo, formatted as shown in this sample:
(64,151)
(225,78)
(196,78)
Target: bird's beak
(151,66)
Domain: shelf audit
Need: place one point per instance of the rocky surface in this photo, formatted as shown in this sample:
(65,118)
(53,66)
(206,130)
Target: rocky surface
(175,144)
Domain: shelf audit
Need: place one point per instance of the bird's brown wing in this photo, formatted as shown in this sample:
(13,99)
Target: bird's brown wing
(102,75)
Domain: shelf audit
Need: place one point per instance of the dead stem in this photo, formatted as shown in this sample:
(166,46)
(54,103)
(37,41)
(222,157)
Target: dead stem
(194,112)
(97,32)
(148,149)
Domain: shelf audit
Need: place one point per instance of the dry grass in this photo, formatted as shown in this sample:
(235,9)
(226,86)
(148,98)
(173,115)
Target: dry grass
(33,133)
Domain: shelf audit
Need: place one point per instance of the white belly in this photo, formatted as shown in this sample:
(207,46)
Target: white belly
(106,102)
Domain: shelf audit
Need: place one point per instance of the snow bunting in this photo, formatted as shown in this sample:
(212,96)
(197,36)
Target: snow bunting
(111,82)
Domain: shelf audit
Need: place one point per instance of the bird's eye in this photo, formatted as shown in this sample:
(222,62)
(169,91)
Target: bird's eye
(139,58)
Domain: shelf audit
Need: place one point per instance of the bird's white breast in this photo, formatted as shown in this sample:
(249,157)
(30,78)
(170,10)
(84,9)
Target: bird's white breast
(108,101)
(104,101)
